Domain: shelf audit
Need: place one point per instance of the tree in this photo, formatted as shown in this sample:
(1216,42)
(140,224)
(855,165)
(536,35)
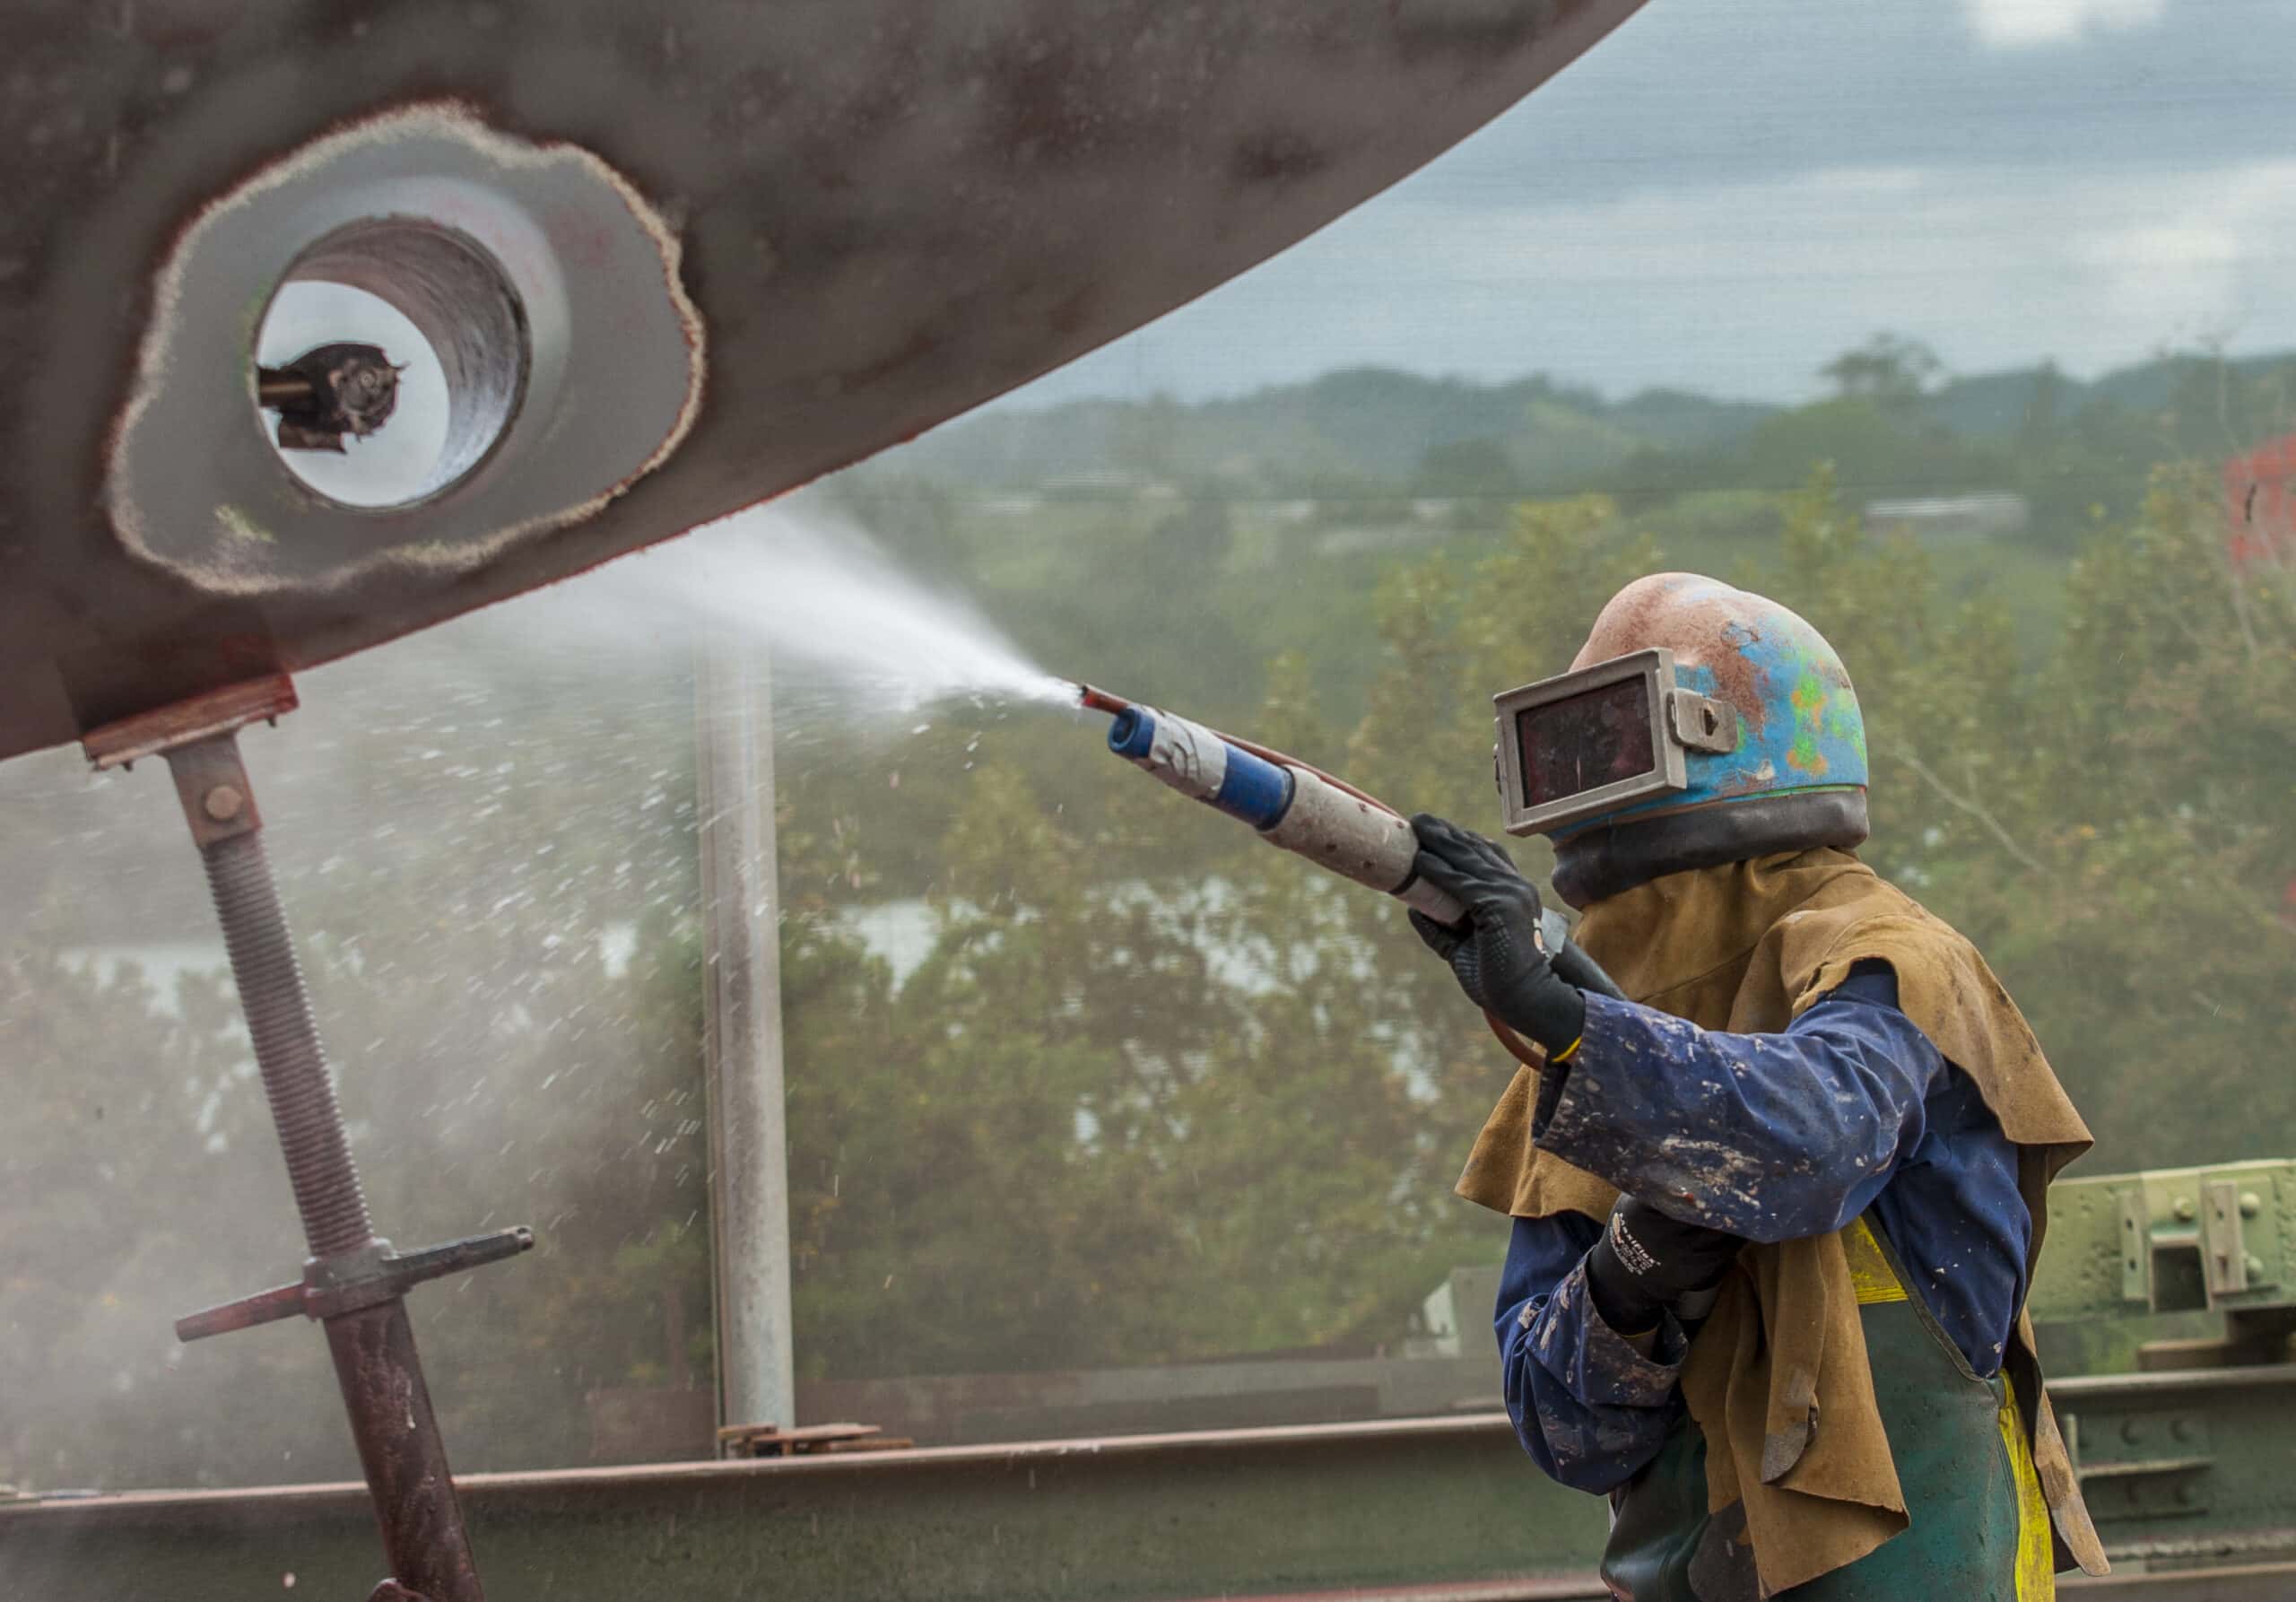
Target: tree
(1888,370)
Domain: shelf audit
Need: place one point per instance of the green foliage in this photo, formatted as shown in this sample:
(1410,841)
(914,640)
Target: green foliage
(1144,1090)
(1253,1148)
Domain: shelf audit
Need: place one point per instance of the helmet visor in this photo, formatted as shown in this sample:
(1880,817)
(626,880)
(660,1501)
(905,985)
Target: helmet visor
(1587,742)
(1584,742)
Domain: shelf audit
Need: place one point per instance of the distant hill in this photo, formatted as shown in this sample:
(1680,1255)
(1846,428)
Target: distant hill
(1384,429)
(1999,405)
(1366,423)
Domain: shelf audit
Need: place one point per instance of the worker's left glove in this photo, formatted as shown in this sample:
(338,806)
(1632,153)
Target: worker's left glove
(1648,1261)
(1496,952)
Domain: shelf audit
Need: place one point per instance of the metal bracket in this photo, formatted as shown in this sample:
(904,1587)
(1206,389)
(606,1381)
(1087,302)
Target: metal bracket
(2223,1255)
(2135,1248)
(353,1280)
(2171,1484)
(1702,723)
(223,712)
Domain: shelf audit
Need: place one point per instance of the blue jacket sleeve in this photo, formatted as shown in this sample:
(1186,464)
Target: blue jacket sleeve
(1588,1408)
(1768,1136)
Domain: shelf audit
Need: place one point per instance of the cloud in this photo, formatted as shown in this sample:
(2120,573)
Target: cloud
(2204,261)
(1750,288)
(2012,24)
(1693,204)
(1995,264)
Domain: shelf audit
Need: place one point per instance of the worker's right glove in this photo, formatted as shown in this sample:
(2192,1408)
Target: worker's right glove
(1496,952)
(1648,1261)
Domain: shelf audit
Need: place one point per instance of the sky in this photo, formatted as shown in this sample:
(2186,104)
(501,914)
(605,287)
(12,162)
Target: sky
(1723,196)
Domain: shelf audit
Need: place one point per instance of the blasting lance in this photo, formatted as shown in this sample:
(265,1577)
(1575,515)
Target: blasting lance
(1305,811)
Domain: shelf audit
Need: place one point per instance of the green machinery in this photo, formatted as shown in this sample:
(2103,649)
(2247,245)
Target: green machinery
(2188,1457)
(2178,1241)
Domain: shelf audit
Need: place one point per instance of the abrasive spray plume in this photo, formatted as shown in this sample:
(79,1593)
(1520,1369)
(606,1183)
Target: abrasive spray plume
(847,629)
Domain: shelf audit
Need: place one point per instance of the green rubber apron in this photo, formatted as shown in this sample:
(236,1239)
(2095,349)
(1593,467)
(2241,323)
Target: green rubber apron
(1979,1530)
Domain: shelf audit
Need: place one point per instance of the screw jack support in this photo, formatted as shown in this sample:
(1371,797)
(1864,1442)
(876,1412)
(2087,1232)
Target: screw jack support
(354,1283)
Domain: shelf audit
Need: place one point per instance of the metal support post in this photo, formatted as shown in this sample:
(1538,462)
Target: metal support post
(353,1281)
(748,1162)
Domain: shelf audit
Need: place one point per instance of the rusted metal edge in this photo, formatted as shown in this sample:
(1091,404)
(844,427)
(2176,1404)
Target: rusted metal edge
(2170,1382)
(2218,1550)
(1019,1455)
(798,1436)
(2245,1583)
(1574,1588)
(2251,1583)
(180,722)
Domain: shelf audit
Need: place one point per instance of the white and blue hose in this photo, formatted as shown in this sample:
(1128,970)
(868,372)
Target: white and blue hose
(1294,807)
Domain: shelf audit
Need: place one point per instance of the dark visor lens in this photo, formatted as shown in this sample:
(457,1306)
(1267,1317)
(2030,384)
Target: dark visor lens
(1584,740)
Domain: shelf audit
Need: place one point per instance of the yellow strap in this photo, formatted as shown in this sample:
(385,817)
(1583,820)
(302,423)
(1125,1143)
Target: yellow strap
(2036,1557)
(1869,1270)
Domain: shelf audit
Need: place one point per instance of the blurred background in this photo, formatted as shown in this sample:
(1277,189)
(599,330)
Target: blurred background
(1963,328)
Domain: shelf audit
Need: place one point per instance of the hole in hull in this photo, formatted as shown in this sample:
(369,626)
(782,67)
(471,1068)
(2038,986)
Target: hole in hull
(443,312)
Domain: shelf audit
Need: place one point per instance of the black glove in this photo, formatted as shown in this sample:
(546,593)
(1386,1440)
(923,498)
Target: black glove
(1647,1260)
(1496,953)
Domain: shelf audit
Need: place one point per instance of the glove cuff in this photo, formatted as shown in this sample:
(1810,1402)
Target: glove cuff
(1617,1293)
(1554,1014)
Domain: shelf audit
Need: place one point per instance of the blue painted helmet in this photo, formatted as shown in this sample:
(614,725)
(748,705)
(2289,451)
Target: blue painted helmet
(1699,724)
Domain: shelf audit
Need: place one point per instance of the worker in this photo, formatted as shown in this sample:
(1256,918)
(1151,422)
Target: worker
(1774,1219)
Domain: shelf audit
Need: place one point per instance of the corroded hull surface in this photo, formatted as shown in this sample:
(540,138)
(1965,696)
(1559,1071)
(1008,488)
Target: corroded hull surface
(832,223)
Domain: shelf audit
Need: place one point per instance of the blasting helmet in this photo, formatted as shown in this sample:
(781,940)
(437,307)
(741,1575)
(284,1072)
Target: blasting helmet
(1699,724)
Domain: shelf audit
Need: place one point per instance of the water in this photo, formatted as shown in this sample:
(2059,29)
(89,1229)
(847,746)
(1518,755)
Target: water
(845,623)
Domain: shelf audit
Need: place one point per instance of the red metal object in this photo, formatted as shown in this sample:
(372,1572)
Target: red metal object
(2260,506)
(2260,532)
(1100,701)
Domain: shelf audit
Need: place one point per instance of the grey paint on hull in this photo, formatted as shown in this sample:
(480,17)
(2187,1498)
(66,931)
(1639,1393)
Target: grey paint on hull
(888,212)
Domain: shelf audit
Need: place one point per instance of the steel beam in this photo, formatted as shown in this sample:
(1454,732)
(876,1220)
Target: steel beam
(2188,1465)
(1316,1508)
(1446,1507)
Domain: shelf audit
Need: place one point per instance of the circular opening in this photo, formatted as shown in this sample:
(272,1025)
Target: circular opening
(1130,734)
(443,313)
